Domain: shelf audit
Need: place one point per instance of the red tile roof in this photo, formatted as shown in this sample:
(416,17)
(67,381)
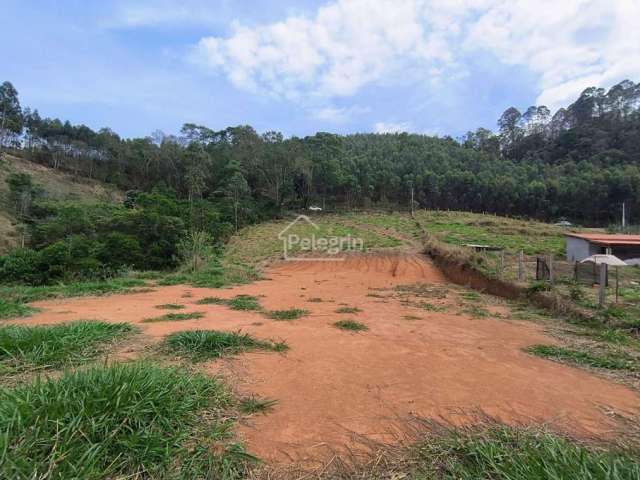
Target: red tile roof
(607,239)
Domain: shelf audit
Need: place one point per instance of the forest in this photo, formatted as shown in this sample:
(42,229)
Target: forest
(580,164)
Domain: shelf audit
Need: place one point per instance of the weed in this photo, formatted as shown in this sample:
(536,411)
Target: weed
(11,309)
(175,317)
(504,453)
(170,306)
(123,421)
(351,325)
(23,347)
(411,317)
(244,302)
(476,311)
(211,301)
(201,345)
(252,404)
(348,310)
(608,360)
(291,314)
(315,300)
(471,296)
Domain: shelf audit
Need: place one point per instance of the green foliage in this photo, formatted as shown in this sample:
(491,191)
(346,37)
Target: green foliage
(244,302)
(53,346)
(502,453)
(212,301)
(291,314)
(350,325)
(610,360)
(202,345)
(249,405)
(131,420)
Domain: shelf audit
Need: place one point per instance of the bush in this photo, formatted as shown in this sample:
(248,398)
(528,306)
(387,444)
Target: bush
(20,265)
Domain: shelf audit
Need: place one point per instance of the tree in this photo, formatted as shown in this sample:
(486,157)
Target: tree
(510,131)
(236,189)
(10,114)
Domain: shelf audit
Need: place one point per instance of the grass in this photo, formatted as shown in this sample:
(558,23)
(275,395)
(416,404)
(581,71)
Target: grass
(122,421)
(291,314)
(175,317)
(239,302)
(411,317)
(202,345)
(503,453)
(607,360)
(252,404)
(15,297)
(476,311)
(12,309)
(348,310)
(170,306)
(244,302)
(350,325)
(211,301)
(24,347)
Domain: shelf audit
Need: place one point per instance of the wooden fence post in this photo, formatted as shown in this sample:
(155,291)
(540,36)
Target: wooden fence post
(551,269)
(521,266)
(603,282)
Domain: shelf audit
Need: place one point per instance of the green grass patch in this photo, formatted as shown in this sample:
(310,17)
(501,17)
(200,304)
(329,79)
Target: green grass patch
(170,306)
(348,310)
(502,453)
(250,405)
(291,314)
(201,345)
(607,360)
(12,309)
(244,302)
(175,317)
(123,421)
(476,311)
(24,347)
(350,325)
(212,301)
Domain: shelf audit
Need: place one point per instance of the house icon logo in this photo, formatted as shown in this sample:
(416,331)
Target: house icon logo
(305,243)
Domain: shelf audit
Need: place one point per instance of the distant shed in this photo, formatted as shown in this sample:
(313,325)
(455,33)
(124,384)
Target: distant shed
(583,245)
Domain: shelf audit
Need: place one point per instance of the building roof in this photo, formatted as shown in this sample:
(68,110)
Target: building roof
(607,239)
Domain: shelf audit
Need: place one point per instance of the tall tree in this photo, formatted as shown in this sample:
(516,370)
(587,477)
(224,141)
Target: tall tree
(10,114)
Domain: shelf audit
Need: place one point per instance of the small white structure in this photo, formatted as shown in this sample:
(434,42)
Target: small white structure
(601,259)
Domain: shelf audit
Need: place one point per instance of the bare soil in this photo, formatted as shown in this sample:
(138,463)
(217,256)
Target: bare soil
(335,387)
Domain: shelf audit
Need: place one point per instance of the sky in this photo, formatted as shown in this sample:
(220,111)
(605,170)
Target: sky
(438,67)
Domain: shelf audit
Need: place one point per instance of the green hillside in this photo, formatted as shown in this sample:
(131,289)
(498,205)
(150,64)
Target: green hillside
(54,185)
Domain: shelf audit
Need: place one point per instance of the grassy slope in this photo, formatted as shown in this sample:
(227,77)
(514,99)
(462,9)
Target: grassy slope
(57,185)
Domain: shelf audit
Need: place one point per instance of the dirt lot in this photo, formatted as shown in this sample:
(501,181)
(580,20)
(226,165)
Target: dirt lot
(422,356)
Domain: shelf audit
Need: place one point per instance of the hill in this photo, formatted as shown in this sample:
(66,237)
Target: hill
(54,185)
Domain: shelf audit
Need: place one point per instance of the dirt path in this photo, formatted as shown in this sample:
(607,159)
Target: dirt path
(335,385)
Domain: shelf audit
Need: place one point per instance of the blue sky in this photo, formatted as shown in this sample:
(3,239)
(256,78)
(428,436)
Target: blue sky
(428,66)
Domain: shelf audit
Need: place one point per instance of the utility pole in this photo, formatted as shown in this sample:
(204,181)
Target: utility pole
(623,217)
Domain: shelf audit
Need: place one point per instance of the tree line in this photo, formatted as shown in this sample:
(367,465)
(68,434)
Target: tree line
(581,163)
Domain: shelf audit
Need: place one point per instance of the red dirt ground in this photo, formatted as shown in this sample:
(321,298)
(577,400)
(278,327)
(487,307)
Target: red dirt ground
(333,386)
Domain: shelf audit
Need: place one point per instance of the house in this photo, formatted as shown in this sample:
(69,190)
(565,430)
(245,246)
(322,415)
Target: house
(583,245)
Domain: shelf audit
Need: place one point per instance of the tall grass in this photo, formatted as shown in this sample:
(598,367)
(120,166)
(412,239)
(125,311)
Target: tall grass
(502,453)
(132,420)
(607,359)
(57,345)
(201,345)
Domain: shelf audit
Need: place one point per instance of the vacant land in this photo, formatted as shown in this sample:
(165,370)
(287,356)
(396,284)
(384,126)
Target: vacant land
(321,360)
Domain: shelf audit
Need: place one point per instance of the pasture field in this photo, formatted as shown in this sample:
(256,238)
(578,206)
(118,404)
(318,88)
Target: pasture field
(374,366)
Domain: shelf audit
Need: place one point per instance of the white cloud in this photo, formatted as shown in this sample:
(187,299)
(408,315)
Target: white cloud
(348,45)
(391,127)
(338,114)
